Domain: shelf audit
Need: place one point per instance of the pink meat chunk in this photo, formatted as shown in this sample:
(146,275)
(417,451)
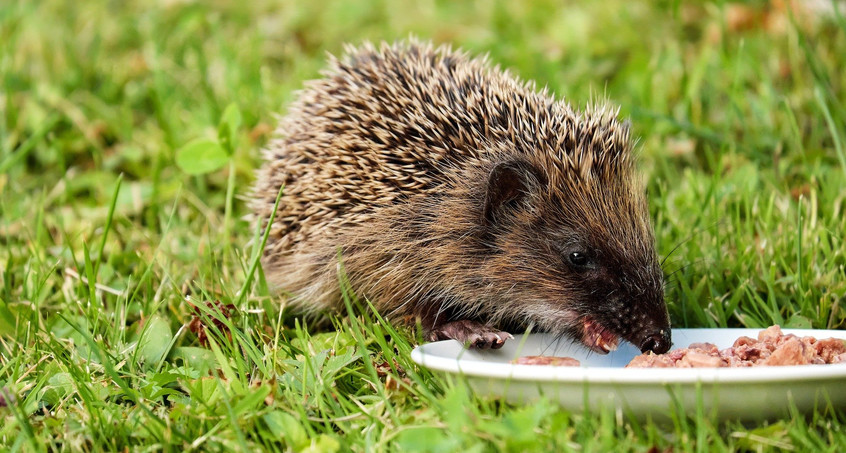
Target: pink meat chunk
(772,348)
(546,360)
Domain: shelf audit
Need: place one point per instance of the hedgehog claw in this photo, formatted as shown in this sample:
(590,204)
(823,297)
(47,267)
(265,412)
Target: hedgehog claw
(473,334)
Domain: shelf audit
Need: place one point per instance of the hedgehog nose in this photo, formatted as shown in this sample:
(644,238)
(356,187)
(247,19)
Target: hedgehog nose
(658,342)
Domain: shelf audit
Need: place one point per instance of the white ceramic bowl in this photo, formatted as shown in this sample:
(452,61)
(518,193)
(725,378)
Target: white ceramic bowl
(601,380)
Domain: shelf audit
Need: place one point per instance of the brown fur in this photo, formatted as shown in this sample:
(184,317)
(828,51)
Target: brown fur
(391,158)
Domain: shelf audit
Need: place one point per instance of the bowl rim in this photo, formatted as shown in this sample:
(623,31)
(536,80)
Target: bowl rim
(424,355)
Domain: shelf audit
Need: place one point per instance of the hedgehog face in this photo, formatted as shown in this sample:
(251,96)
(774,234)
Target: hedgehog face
(582,260)
(613,291)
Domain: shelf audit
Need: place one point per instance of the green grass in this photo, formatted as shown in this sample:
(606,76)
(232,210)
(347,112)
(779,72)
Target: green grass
(103,237)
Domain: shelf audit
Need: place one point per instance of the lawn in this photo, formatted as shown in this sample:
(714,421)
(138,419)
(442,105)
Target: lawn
(132,313)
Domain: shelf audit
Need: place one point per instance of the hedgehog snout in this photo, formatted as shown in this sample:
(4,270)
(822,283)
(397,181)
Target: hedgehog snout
(645,322)
(658,342)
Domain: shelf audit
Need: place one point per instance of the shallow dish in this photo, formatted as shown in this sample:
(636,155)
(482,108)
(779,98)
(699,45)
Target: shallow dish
(601,380)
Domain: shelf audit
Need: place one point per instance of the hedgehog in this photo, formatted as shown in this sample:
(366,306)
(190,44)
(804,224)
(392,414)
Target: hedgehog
(457,197)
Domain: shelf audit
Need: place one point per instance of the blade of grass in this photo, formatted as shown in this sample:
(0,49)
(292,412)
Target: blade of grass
(832,128)
(258,250)
(109,216)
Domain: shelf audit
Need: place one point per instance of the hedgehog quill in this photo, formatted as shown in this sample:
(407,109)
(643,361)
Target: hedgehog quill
(464,198)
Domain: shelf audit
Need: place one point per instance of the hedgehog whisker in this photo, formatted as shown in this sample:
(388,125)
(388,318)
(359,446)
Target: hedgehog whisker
(691,236)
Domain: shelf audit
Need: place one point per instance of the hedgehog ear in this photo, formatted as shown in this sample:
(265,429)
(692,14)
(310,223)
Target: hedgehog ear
(509,183)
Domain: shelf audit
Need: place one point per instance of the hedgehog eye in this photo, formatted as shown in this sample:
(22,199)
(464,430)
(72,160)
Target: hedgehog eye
(578,259)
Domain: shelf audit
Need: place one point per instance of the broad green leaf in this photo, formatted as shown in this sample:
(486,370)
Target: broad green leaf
(285,426)
(58,387)
(199,359)
(153,340)
(206,390)
(424,438)
(798,321)
(324,443)
(201,156)
(157,385)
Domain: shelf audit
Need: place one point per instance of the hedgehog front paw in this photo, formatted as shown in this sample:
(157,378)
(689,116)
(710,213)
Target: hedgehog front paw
(473,334)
